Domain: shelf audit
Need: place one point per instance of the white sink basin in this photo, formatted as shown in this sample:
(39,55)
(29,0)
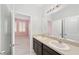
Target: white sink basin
(57,45)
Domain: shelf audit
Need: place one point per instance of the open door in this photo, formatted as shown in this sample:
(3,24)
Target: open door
(22,40)
(22,28)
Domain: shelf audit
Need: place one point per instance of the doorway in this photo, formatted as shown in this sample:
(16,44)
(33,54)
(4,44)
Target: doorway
(22,37)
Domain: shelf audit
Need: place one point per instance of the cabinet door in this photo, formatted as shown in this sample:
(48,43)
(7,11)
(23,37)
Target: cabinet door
(37,46)
(34,45)
(39,49)
(49,51)
(46,53)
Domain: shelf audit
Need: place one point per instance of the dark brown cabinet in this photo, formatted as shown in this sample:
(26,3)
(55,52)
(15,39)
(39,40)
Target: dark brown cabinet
(42,49)
(49,51)
(37,46)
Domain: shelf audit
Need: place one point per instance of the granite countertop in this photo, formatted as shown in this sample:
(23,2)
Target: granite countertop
(74,50)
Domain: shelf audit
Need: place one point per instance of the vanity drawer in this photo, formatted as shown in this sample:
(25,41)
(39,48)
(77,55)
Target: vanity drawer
(48,50)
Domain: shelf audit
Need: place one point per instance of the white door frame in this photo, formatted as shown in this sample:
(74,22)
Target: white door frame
(13,31)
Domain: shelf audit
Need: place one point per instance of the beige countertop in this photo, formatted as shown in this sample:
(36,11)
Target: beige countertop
(74,50)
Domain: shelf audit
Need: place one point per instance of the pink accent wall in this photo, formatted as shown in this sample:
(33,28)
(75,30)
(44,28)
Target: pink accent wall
(26,32)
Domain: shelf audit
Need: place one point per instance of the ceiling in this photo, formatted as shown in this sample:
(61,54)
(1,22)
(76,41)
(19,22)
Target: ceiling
(28,6)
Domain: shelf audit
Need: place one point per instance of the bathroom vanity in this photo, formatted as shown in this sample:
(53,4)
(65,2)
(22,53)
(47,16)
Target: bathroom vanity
(44,45)
(42,49)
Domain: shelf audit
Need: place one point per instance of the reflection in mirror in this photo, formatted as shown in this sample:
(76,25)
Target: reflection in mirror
(56,28)
(71,28)
(67,27)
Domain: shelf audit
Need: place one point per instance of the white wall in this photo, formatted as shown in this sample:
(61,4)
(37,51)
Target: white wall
(5,30)
(34,13)
(45,18)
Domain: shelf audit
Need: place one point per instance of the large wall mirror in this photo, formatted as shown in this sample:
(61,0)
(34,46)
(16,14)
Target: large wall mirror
(70,28)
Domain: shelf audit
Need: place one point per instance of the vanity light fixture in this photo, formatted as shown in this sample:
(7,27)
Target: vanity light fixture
(54,8)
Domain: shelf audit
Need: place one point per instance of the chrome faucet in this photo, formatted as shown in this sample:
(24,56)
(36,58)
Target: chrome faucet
(62,34)
(60,40)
